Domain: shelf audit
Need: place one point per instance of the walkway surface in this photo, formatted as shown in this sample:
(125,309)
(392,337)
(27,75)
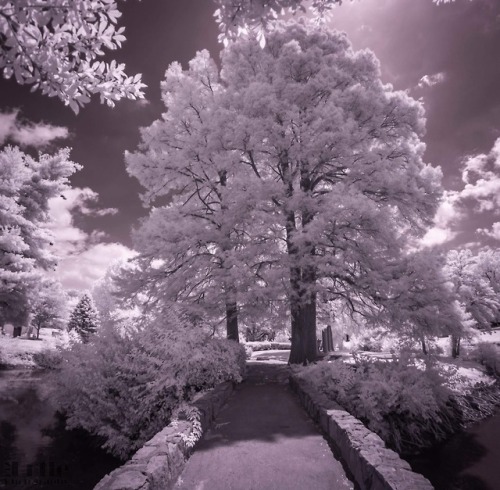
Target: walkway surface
(263,440)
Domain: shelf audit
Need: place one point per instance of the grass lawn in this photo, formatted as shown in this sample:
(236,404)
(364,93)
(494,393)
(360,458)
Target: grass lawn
(18,352)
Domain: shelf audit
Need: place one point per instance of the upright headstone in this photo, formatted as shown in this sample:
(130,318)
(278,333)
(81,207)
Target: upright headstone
(327,337)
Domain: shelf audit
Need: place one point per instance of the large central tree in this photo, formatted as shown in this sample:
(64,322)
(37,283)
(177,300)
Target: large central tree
(339,156)
(298,166)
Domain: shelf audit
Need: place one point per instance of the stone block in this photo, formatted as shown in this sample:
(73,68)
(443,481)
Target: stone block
(333,429)
(175,455)
(104,483)
(400,479)
(128,480)
(158,473)
(147,452)
(176,461)
(324,419)
(373,440)
(161,437)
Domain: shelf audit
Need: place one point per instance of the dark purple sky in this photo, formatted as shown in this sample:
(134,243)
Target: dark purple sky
(456,45)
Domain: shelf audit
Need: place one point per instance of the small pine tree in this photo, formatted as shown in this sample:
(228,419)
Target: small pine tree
(84,318)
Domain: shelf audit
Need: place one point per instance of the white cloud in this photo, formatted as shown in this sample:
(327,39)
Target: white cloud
(494,232)
(473,167)
(447,216)
(37,135)
(83,257)
(431,80)
(486,193)
(82,270)
(106,212)
(448,213)
(480,193)
(437,236)
(68,238)
(84,201)
(481,175)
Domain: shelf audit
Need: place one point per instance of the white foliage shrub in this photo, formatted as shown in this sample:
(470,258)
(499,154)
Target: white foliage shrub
(125,387)
(193,415)
(488,355)
(409,408)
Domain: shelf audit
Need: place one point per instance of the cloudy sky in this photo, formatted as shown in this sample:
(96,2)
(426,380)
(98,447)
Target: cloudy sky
(448,55)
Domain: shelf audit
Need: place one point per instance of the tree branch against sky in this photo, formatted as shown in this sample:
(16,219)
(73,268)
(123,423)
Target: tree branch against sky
(53,45)
(239,16)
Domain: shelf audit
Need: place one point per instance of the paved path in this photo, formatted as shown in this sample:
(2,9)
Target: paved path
(263,440)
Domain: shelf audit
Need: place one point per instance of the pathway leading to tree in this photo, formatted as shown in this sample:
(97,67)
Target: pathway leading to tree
(263,440)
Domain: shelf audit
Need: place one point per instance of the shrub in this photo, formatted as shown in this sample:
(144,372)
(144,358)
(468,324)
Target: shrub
(370,344)
(407,407)
(248,350)
(265,345)
(125,388)
(488,355)
(259,334)
(48,359)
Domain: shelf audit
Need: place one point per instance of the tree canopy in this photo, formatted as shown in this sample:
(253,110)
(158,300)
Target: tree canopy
(320,164)
(476,281)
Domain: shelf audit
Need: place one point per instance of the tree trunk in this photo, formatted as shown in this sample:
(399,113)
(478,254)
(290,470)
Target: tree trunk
(297,352)
(304,347)
(229,288)
(455,346)
(298,348)
(309,326)
(232,332)
(232,321)
(302,277)
(309,308)
(303,310)
(424,346)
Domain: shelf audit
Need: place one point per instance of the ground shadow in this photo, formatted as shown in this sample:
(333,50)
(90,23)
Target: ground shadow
(262,408)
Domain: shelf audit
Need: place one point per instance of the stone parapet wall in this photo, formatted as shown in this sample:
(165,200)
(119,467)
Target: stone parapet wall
(371,464)
(158,464)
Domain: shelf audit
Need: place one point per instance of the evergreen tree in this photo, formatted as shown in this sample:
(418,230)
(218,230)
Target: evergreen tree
(84,318)
(26,187)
